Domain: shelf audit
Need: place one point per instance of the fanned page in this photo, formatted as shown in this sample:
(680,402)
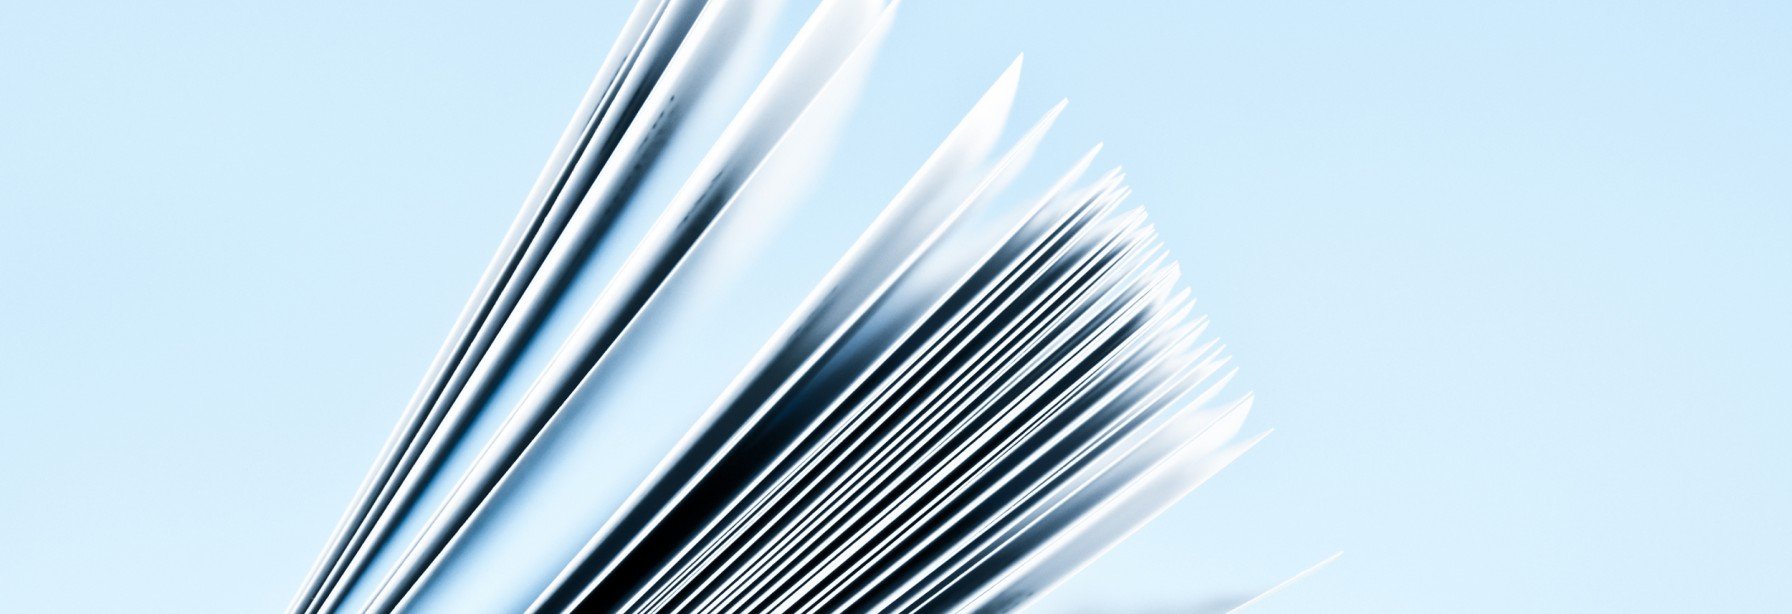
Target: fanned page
(989,387)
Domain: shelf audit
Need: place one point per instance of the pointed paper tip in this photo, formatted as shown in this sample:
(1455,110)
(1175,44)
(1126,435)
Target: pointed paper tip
(1174,269)
(1227,378)
(1012,73)
(1245,403)
(1009,81)
(1082,164)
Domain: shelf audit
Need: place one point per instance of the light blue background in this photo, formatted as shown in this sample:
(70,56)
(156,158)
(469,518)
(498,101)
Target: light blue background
(1511,280)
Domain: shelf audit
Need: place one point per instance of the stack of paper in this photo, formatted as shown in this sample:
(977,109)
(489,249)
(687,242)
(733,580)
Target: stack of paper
(985,392)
